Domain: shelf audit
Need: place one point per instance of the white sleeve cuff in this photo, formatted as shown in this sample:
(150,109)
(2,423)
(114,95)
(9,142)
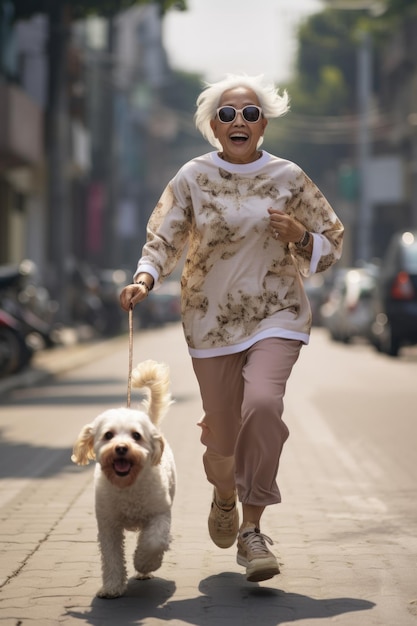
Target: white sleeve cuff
(321,247)
(149,269)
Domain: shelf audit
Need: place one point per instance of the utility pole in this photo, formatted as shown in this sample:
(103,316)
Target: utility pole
(365,217)
(57,148)
(364,220)
(412,121)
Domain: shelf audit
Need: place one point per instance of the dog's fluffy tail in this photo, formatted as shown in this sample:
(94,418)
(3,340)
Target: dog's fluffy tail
(155,378)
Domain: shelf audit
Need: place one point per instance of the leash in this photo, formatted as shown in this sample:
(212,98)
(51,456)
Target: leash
(129,379)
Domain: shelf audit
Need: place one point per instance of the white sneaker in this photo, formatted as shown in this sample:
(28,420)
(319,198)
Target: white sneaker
(253,554)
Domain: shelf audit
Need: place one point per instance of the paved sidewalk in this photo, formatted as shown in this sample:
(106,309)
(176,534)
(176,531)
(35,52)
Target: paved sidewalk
(340,562)
(57,360)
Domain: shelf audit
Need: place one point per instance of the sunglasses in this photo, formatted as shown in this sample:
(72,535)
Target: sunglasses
(250,113)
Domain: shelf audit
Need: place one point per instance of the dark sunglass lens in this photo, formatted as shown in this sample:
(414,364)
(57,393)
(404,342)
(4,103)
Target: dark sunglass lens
(227,114)
(251,114)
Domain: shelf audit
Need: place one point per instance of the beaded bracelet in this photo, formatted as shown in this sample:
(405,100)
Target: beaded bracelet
(142,282)
(304,241)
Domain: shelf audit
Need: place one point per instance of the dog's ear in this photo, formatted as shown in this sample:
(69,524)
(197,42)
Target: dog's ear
(158,445)
(83,451)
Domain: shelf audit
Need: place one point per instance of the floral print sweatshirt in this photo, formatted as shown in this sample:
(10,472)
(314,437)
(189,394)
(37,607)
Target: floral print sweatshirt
(239,284)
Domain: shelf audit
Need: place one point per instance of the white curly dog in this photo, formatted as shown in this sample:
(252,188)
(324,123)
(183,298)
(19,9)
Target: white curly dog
(135,479)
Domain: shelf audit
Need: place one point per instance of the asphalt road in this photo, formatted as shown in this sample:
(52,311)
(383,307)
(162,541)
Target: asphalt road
(345,533)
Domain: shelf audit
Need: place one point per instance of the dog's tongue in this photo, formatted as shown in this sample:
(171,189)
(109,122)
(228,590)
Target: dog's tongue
(122,466)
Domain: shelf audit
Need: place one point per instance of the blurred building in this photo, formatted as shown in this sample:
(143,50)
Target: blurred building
(22,154)
(125,67)
(83,139)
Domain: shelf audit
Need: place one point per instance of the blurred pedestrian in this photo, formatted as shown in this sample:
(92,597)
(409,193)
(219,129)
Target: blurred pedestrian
(254,223)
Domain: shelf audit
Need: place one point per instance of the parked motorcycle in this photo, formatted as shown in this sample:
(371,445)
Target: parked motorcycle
(15,353)
(28,303)
(94,298)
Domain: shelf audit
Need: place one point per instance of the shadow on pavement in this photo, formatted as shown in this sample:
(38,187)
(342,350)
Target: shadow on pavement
(23,460)
(62,394)
(226,599)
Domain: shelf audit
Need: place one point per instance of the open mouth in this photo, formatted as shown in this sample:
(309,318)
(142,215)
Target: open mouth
(122,467)
(238,138)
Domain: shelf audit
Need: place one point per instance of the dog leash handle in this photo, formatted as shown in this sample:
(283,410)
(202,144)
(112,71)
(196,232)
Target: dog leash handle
(129,379)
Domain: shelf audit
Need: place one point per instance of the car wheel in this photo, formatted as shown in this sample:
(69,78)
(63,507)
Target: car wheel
(390,342)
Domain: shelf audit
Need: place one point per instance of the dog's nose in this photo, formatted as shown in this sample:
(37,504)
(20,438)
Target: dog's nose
(121,450)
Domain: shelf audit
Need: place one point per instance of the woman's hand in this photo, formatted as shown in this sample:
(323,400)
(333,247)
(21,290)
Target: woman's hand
(284,227)
(131,295)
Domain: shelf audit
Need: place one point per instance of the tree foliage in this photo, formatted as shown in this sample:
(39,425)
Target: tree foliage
(322,90)
(326,64)
(325,83)
(82,8)
(400,7)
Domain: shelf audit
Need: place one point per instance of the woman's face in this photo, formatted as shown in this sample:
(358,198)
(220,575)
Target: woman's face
(239,138)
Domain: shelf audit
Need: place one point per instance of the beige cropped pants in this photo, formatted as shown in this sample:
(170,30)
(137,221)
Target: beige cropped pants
(242,427)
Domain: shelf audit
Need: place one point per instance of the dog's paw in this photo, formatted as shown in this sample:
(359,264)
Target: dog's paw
(145,562)
(110,593)
(140,576)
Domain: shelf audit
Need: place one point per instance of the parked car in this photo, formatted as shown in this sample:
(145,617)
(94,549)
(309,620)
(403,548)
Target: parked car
(395,297)
(163,305)
(348,313)
(316,290)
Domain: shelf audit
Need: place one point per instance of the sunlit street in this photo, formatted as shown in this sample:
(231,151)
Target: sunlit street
(214,185)
(345,533)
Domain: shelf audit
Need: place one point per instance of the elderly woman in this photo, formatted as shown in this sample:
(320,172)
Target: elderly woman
(253,223)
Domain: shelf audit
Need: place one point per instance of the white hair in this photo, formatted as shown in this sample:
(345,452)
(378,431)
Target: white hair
(272,103)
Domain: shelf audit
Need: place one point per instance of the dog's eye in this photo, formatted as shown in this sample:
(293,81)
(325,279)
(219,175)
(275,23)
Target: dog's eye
(137,436)
(108,435)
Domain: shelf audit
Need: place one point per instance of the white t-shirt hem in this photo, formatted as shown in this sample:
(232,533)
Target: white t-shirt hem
(244,345)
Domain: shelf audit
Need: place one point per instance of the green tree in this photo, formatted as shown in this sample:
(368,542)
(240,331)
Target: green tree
(326,63)
(320,128)
(400,8)
(318,131)
(82,8)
